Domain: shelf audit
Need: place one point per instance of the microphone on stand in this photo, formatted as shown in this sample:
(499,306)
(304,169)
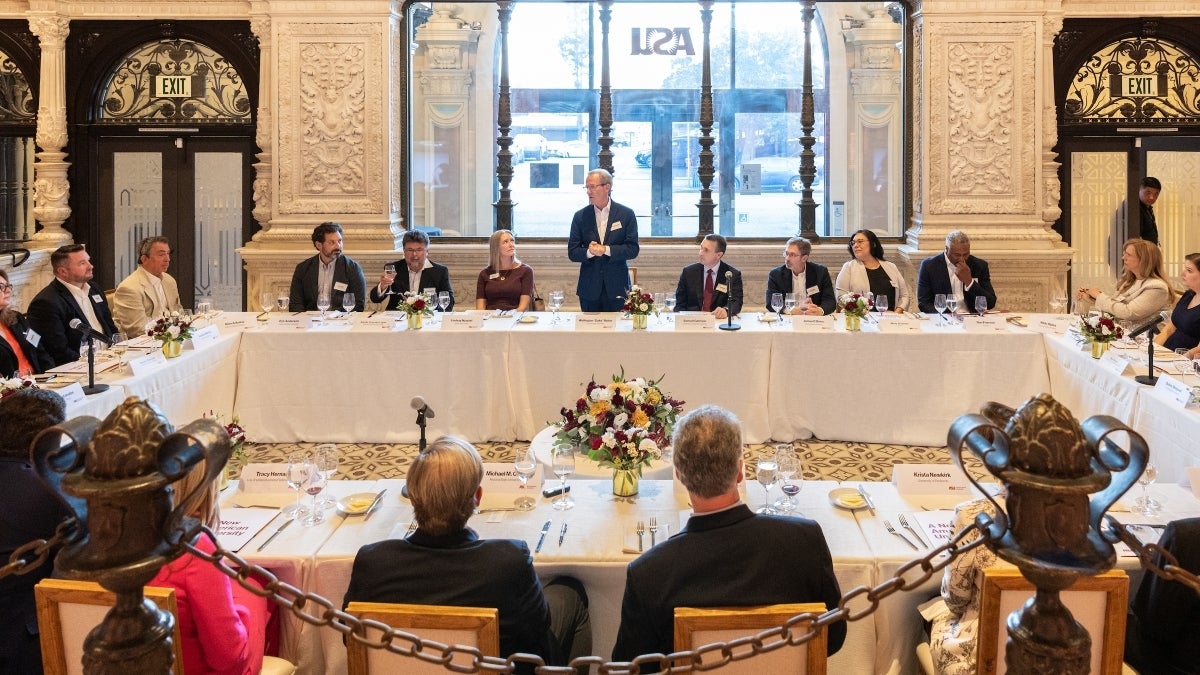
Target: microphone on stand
(423,412)
(91,335)
(1151,327)
(729,324)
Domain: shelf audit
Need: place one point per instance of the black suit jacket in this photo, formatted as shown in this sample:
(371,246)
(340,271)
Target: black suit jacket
(51,312)
(460,570)
(437,276)
(37,356)
(779,280)
(689,293)
(934,278)
(303,295)
(1164,622)
(729,558)
(603,278)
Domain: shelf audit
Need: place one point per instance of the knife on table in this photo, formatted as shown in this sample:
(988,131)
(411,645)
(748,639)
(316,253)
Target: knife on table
(867,498)
(275,534)
(374,504)
(542,539)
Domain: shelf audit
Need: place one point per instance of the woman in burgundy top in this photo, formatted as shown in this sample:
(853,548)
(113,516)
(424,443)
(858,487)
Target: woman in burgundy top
(507,283)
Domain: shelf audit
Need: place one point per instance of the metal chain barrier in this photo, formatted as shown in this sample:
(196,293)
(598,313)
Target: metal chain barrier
(21,562)
(1148,553)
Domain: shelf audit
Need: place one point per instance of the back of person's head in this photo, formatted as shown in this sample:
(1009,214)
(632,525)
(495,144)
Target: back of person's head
(442,484)
(206,509)
(718,240)
(328,227)
(1152,182)
(708,451)
(24,414)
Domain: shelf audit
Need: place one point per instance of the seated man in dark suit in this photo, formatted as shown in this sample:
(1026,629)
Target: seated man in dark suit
(955,273)
(328,273)
(805,279)
(446,563)
(29,510)
(711,283)
(726,555)
(72,295)
(1164,619)
(418,273)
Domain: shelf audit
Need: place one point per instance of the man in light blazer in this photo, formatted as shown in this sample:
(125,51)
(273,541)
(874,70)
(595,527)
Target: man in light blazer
(693,286)
(814,280)
(416,265)
(327,272)
(148,293)
(955,273)
(603,239)
(71,295)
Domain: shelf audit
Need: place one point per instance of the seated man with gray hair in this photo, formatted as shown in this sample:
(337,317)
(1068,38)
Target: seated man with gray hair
(726,555)
(148,293)
(955,273)
(446,563)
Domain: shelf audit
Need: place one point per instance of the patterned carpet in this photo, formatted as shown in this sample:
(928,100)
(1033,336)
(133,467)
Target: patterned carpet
(823,460)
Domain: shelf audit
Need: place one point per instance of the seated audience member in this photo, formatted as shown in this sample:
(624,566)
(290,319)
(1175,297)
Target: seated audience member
(506,283)
(415,273)
(446,563)
(867,273)
(1164,619)
(1142,289)
(222,625)
(29,510)
(806,279)
(21,348)
(706,285)
(148,293)
(955,273)
(726,555)
(71,295)
(329,273)
(1183,329)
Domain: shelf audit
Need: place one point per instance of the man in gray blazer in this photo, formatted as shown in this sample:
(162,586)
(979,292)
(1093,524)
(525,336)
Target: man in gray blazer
(148,293)
(327,273)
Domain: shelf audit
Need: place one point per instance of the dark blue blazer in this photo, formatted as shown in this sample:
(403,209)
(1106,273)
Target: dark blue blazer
(779,280)
(605,274)
(1164,617)
(50,315)
(437,276)
(37,356)
(689,292)
(934,278)
(303,294)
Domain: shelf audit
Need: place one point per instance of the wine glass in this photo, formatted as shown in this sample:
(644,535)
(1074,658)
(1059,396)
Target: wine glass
(325,457)
(556,302)
(204,307)
(767,473)
(323,304)
(1184,365)
(777,303)
(881,303)
(389,275)
(525,465)
(314,486)
(282,302)
(802,302)
(659,298)
(348,302)
(669,303)
(789,465)
(266,301)
(789,303)
(119,347)
(980,305)
(297,475)
(443,300)
(952,305)
(939,304)
(1146,505)
(563,465)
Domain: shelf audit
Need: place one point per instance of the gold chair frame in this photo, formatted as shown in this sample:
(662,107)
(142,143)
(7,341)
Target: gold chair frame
(747,621)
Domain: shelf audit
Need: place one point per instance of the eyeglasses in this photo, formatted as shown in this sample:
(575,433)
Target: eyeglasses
(4,288)
(594,187)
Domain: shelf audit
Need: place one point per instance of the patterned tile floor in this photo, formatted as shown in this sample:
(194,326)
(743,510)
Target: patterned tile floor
(823,460)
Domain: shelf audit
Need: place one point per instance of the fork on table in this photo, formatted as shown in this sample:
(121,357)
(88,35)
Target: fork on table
(904,523)
(888,525)
(641,530)
(653,530)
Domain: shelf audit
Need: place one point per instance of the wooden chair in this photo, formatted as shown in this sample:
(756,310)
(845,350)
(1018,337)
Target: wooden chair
(1098,603)
(700,626)
(474,626)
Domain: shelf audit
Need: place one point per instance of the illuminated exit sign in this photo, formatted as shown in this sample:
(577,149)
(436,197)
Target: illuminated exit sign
(173,86)
(1138,85)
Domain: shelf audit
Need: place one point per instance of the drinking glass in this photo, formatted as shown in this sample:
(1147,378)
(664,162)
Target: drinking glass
(1146,505)
(186,315)
(767,473)
(297,475)
(881,303)
(313,486)
(777,302)
(204,307)
(525,465)
(789,466)
(556,302)
(563,465)
(669,303)
(802,302)
(323,304)
(282,302)
(119,347)
(789,303)
(1058,303)
(266,301)
(389,275)
(348,302)
(659,298)
(1183,366)
(443,300)
(939,304)
(981,305)
(952,304)
(325,457)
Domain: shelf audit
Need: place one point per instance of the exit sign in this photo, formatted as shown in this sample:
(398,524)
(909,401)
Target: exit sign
(172,86)
(1138,86)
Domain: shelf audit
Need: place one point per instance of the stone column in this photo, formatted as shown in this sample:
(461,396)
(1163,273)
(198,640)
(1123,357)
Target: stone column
(50,171)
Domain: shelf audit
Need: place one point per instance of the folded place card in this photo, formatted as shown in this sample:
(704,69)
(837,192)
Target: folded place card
(457,321)
(205,337)
(502,486)
(1175,391)
(1113,362)
(891,322)
(596,321)
(296,321)
(234,323)
(1055,324)
(264,485)
(985,324)
(690,321)
(150,361)
(813,324)
(377,323)
(930,479)
(72,393)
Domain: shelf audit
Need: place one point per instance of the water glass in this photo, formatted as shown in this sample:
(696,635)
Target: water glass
(1147,505)
(669,303)
(443,300)
(881,303)
(939,303)
(952,304)
(204,307)
(525,465)
(777,302)
(767,474)
(282,302)
(981,305)
(323,304)
(389,275)
(298,467)
(119,347)
(789,303)
(556,302)
(266,300)
(563,465)
(348,302)
(659,298)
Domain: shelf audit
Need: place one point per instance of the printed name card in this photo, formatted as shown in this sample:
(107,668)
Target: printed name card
(1112,361)
(1175,391)
(1055,324)
(149,362)
(691,321)
(595,321)
(72,393)
(374,324)
(930,479)
(457,321)
(265,477)
(891,322)
(290,321)
(985,324)
(205,337)
(502,486)
(812,324)
(234,323)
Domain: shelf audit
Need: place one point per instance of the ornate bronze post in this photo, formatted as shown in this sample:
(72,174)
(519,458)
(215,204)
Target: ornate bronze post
(504,167)
(808,119)
(606,105)
(1049,464)
(123,468)
(706,170)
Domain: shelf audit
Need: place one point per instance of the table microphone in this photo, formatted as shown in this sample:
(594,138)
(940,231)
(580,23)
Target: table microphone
(1158,318)
(89,331)
(419,404)
(729,325)
(1152,326)
(91,335)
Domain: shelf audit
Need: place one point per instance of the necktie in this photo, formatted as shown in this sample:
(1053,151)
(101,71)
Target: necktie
(708,292)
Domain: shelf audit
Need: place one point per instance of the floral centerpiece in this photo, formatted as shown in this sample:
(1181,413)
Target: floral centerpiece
(1100,329)
(171,331)
(855,306)
(639,304)
(416,306)
(10,386)
(237,440)
(623,424)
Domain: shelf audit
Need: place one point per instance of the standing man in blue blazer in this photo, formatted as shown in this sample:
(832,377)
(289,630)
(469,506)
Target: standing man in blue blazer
(603,239)
(327,273)
(955,273)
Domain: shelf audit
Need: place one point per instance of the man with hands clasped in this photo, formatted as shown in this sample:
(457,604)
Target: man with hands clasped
(806,279)
(955,273)
(603,239)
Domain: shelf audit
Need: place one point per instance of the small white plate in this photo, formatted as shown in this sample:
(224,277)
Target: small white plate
(356,504)
(528,318)
(847,498)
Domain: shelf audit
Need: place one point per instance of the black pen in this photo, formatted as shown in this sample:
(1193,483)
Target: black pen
(562,533)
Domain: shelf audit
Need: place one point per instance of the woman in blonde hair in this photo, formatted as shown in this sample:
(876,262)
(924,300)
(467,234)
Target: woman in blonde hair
(223,626)
(1142,289)
(506,283)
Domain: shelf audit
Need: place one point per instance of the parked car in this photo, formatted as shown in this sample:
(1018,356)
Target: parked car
(575,149)
(782,174)
(533,146)
(556,149)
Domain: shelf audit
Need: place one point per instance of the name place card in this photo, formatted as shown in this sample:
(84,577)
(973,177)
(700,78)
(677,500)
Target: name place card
(374,324)
(595,321)
(264,477)
(1054,324)
(290,321)
(694,321)
(457,321)
(1175,391)
(930,479)
(891,322)
(502,486)
(149,362)
(1112,361)
(72,393)
(205,337)
(805,323)
(232,323)
(985,324)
